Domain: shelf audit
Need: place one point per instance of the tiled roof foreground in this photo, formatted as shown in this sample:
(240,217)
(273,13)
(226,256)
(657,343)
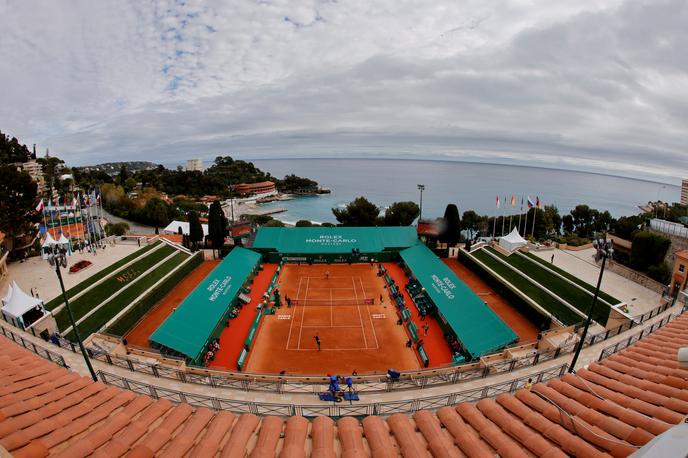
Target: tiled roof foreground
(610,408)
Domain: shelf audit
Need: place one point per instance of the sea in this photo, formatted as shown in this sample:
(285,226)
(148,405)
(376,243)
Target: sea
(471,186)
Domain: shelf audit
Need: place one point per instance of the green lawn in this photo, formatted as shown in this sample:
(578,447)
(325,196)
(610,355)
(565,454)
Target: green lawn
(610,299)
(568,292)
(95,296)
(98,275)
(535,293)
(127,322)
(112,308)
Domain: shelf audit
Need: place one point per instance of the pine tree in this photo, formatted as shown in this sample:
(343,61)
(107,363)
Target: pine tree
(217,225)
(195,230)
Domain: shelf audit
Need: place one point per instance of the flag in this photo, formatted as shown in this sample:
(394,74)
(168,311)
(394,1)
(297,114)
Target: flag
(497,200)
(530,202)
(513,200)
(73,202)
(98,198)
(39,207)
(537,202)
(57,202)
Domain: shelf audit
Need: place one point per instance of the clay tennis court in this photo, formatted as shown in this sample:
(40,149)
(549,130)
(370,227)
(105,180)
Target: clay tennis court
(343,309)
(155,316)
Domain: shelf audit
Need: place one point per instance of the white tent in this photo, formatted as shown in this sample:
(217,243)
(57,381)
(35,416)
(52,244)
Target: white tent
(8,295)
(18,304)
(513,241)
(174,226)
(49,241)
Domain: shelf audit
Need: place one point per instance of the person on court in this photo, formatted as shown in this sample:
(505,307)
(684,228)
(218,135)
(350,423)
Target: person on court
(327,275)
(317,341)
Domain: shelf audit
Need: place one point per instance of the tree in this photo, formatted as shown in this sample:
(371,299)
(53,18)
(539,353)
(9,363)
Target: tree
(11,151)
(401,214)
(123,174)
(51,169)
(195,230)
(359,212)
(626,226)
(567,222)
(451,226)
(117,229)
(217,225)
(274,223)
(17,203)
(648,249)
(471,220)
(304,223)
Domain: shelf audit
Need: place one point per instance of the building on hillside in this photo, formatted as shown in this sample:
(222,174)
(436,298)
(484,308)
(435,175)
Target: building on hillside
(264,187)
(35,171)
(194,165)
(679,275)
(684,191)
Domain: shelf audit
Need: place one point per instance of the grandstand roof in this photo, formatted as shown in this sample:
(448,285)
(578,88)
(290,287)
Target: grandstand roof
(611,408)
(189,327)
(478,328)
(304,240)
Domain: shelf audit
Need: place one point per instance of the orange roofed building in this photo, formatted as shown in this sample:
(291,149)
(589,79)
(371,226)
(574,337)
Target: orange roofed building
(255,188)
(679,276)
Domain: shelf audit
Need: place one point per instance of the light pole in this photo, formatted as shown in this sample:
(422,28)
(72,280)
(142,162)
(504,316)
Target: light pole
(605,250)
(421,188)
(58,257)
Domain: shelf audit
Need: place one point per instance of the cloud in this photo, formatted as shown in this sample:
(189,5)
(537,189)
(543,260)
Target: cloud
(583,85)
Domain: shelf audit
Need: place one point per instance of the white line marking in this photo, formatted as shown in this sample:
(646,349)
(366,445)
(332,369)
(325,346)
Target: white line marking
(291,323)
(360,317)
(377,344)
(335,326)
(331,310)
(303,316)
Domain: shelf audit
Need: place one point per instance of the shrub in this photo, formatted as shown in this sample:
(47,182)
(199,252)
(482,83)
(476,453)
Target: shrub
(660,272)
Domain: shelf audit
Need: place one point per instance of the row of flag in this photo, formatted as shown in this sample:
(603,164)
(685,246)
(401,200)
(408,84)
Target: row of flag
(83,200)
(528,200)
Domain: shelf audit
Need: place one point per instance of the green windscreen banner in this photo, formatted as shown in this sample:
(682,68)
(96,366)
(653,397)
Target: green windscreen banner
(477,327)
(189,327)
(308,240)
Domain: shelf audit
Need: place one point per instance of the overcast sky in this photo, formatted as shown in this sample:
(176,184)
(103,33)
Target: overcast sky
(597,84)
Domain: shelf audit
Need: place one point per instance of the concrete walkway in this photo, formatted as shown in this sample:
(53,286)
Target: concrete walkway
(588,355)
(581,264)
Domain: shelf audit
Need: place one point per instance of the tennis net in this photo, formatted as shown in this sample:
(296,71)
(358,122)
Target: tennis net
(334,302)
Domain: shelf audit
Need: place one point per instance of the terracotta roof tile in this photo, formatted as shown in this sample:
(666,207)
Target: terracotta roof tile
(610,408)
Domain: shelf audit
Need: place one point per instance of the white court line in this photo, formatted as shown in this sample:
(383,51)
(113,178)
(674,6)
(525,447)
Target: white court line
(315,288)
(322,276)
(377,344)
(335,326)
(303,316)
(291,322)
(360,317)
(331,311)
(332,349)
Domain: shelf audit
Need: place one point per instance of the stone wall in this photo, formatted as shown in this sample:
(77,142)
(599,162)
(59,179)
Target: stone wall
(636,277)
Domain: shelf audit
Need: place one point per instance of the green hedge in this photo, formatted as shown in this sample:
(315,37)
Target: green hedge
(95,296)
(572,294)
(129,320)
(98,275)
(535,316)
(610,299)
(112,308)
(534,292)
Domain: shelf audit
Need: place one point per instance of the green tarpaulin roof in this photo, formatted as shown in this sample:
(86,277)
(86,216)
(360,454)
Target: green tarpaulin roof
(334,239)
(188,328)
(478,328)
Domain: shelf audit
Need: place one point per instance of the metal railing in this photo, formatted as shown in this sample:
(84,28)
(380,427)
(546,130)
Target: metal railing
(610,350)
(40,351)
(331,409)
(366,384)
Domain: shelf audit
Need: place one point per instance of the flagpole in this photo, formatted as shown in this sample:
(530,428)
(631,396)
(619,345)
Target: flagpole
(494,224)
(511,216)
(532,233)
(50,210)
(503,217)
(59,213)
(520,213)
